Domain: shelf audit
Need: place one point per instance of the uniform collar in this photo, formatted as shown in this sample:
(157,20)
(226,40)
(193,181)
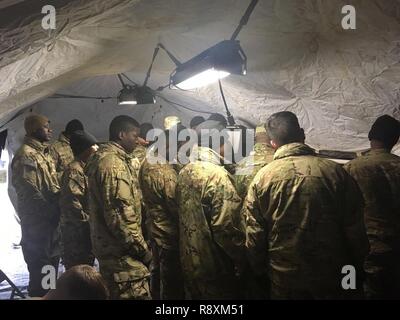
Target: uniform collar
(376,151)
(63,138)
(205,154)
(293,149)
(118,149)
(35,144)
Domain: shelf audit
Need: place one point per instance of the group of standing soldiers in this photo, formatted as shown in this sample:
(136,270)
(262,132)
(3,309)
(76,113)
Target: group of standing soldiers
(281,224)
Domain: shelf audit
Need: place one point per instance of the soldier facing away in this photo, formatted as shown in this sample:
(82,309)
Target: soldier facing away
(115,213)
(248,167)
(74,203)
(377,172)
(61,150)
(211,239)
(304,219)
(158,181)
(34,180)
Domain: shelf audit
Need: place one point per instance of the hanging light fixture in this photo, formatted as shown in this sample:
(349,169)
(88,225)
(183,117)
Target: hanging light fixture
(132,95)
(221,60)
(217,62)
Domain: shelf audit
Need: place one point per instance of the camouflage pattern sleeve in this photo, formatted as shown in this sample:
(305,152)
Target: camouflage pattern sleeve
(170,183)
(54,155)
(72,194)
(56,159)
(354,224)
(225,224)
(27,184)
(119,214)
(256,231)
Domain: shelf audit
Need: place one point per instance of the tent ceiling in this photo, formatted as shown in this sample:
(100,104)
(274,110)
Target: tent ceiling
(299,57)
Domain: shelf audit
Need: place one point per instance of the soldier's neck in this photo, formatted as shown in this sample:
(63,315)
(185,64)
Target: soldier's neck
(375,144)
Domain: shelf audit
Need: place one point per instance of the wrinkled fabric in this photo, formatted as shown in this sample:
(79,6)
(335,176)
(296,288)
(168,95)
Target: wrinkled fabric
(34,179)
(158,183)
(74,221)
(248,167)
(115,215)
(211,238)
(377,172)
(140,152)
(304,223)
(62,155)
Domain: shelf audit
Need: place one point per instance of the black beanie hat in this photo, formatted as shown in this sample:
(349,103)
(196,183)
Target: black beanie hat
(72,126)
(80,141)
(385,129)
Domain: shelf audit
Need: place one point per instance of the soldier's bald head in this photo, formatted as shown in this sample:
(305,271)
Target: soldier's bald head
(283,128)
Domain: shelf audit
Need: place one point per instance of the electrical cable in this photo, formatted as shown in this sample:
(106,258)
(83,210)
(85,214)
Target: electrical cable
(151,66)
(61,96)
(244,19)
(231,119)
(182,106)
(129,79)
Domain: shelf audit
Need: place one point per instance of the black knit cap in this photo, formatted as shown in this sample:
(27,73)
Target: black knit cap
(80,141)
(72,126)
(385,129)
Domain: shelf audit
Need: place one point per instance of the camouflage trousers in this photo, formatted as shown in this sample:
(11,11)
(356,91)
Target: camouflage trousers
(166,274)
(224,288)
(128,284)
(36,257)
(171,278)
(314,289)
(77,248)
(71,259)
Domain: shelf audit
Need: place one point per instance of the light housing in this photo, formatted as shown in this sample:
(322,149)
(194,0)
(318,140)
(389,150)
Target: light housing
(132,95)
(225,58)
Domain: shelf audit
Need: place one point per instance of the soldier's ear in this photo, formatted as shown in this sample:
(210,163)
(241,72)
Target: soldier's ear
(273,144)
(121,135)
(303,136)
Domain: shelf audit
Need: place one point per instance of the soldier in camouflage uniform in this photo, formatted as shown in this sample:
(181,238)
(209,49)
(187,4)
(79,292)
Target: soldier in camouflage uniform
(304,219)
(74,222)
(377,172)
(115,214)
(34,180)
(247,168)
(144,141)
(211,238)
(61,150)
(245,171)
(158,183)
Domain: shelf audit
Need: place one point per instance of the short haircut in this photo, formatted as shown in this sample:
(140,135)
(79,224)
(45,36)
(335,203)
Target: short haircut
(385,129)
(122,124)
(82,282)
(283,127)
(196,121)
(72,126)
(144,129)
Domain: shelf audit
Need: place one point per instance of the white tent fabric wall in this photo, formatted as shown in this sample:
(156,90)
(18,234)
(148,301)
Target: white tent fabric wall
(299,59)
